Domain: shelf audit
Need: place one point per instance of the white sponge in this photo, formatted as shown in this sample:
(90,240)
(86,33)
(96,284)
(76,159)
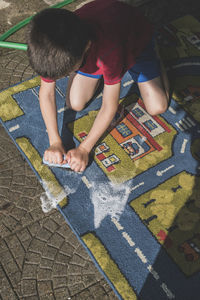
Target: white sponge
(46,162)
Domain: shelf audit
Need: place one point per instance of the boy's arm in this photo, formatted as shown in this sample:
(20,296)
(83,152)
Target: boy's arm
(55,152)
(78,158)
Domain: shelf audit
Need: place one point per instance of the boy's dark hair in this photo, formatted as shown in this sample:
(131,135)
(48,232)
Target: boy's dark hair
(57,39)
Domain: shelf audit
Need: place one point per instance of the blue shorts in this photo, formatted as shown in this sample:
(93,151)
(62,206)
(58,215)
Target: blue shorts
(147,65)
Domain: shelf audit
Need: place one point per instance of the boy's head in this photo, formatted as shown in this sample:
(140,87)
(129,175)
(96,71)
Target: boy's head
(57,40)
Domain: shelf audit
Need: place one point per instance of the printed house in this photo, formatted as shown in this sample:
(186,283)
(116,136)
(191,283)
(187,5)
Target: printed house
(136,132)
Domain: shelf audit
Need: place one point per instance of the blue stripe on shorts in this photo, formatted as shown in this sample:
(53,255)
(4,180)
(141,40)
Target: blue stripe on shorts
(88,75)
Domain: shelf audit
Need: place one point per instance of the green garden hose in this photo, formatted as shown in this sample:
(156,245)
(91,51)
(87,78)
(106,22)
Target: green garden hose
(21,24)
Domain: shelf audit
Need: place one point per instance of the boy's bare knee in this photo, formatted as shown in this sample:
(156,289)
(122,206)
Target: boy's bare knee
(158,109)
(74,105)
(77,107)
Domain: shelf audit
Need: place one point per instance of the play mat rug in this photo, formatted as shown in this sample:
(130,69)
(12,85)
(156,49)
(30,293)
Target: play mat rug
(136,208)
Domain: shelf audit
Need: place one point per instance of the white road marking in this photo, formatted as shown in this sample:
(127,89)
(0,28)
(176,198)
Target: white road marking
(11,129)
(169,294)
(128,238)
(62,109)
(177,124)
(191,121)
(117,224)
(137,186)
(181,122)
(128,83)
(143,258)
(100,95)
(141,255)
(153,272)
(172,110)
(183,146)
(86,181)
(160,173)
(187,123)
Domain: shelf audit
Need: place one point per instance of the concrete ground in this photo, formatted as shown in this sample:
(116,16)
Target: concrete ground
(40,257)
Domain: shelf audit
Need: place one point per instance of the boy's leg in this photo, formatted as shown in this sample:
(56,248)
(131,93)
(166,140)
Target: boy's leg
(151,77)
(80,90)
(155,93)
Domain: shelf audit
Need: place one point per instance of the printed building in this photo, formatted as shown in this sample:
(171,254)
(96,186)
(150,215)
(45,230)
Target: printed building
(137,131)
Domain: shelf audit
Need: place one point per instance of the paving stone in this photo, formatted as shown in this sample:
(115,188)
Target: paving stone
(85,295)
(98,292)
(59,281)
(50,224)
(47,297)
(4,191)
(59,269)
(10,267)
(61,294)
(37,245)
(44,234)
(67,248)
(88,279)
(32,257)
(29,287)
(56,240)
(30,181)
(12,242)
(44,287)
(74,269)
(34,228)
(15,279)
(49,252)
(73,279)
(44,274)
(17,213)
(30,298)
(5,181)
(46,263)
(27,219)
(76,288)
(24,235)
(7,256)
(4,231)
(62,258)
(30,271)
(78,260)
(10,223)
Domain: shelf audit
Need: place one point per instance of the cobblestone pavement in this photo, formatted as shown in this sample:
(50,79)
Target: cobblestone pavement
(40,257)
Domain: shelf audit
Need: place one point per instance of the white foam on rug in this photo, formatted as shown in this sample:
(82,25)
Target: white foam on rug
(49,201)
(109,200)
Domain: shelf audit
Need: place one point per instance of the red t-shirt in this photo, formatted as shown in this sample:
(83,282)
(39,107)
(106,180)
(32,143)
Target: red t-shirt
(122,32)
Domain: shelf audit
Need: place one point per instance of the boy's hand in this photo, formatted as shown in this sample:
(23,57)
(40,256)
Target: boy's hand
(56,154)
(77,159)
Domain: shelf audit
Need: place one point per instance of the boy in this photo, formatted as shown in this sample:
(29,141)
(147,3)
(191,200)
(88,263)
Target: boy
(103,38)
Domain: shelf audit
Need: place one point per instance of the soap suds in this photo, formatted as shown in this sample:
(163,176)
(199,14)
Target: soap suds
(109,200)
(50,199)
